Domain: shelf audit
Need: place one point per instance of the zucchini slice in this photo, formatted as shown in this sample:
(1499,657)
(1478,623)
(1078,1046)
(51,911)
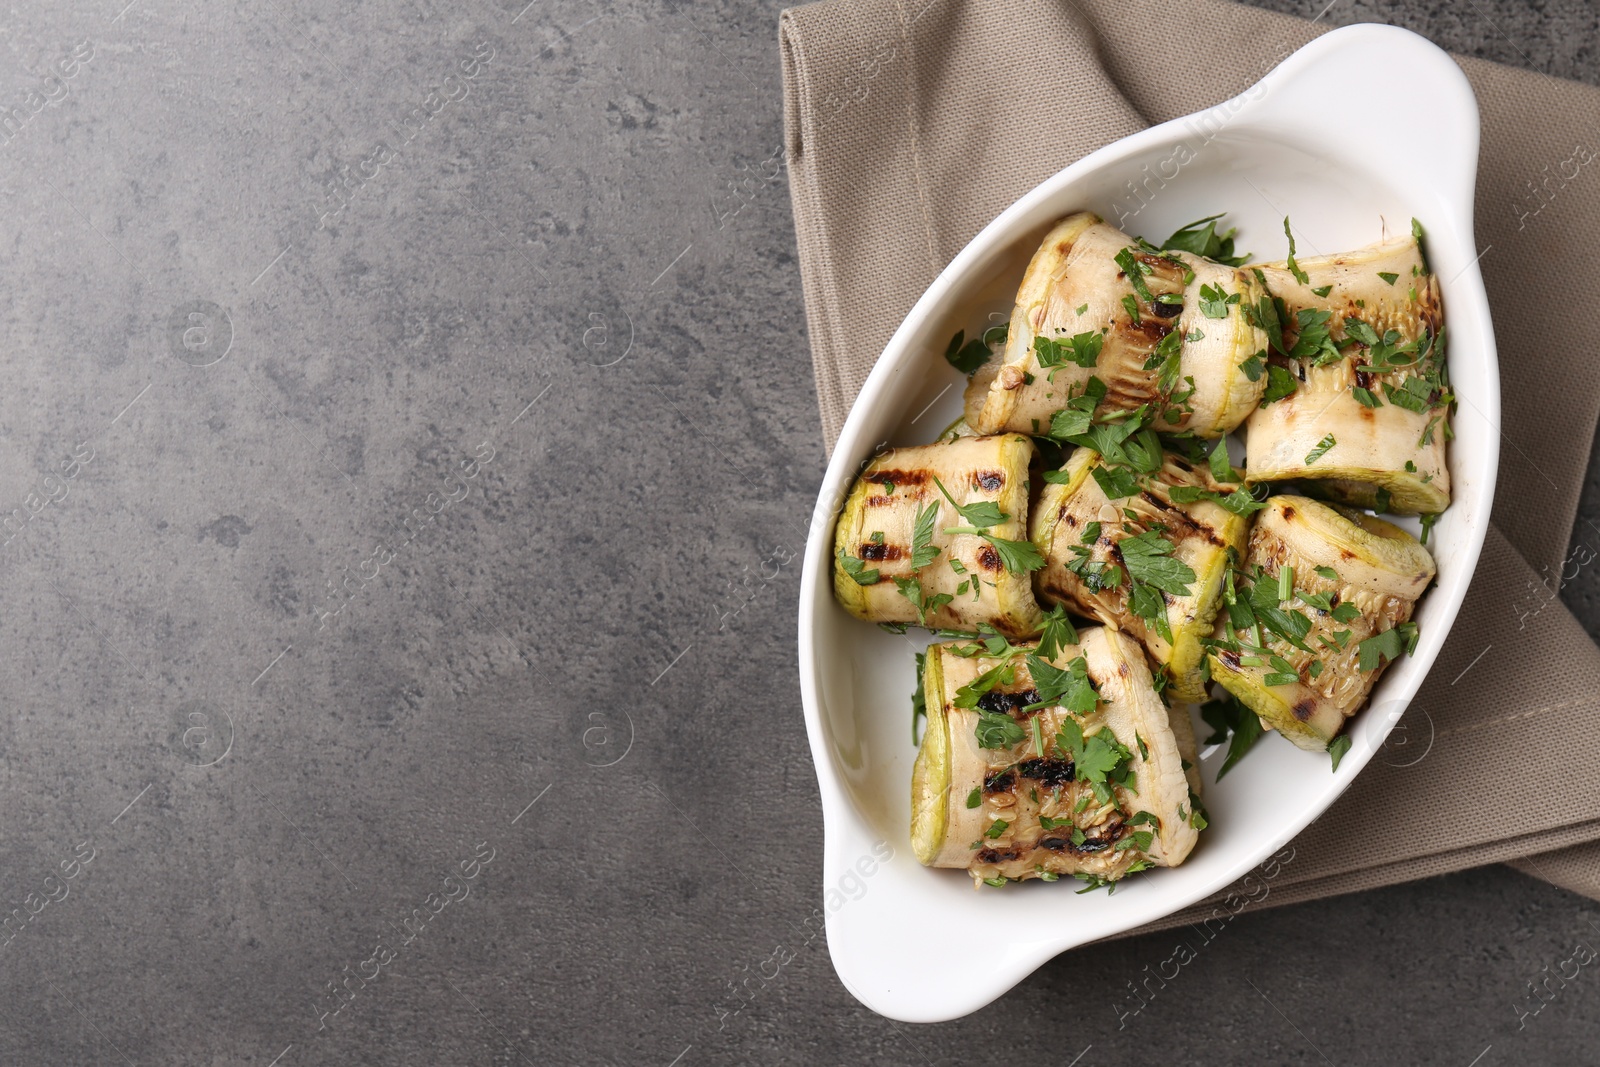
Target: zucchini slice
(1078,529)
(1123,807)
(1097,320)
(966,583)
(1367,427)
(1350,578)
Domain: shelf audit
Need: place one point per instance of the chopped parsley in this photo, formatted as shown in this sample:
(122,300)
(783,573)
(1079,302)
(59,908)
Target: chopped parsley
(982,515)
(1280,383)
(1069,688)
(1135,272)
(1215,301)
(1082,349)
(1321,449)
(1100,759)
(975,797)
(857,570)
(1220,465)
(1388,645)
(1414,394)
(1231,721)
(919,704)
(1428,519)
(996,730)
(1253,366)
(1202,239)
(1058,631)
(923,550)
(1294,268)
(1313,340)
(1131,306)
(1388,276)
(967,357)
(1337,748)
(911,589)
(1148,558)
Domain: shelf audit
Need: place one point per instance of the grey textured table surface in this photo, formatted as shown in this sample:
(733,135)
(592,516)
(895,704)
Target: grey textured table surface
(410,431)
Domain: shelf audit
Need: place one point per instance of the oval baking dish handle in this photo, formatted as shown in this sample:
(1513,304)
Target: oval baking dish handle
(1410,107)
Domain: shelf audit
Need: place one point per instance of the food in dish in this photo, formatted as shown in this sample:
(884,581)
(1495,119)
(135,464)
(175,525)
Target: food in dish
(1321,605)
(1147,557)
(1076,754)
(936,535)
(1357,406)
(1037,764)
(1163,328)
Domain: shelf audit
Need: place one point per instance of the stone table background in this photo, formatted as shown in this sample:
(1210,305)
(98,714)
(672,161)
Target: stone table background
(407,437)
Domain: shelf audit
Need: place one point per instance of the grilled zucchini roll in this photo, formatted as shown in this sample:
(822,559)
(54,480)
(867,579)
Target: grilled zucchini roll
(1035,768)
(934,534)
(1163,329)
(1321,606)
(1150,562)
(1366,414)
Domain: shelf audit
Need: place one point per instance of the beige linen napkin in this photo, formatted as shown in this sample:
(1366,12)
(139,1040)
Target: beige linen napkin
(911,123)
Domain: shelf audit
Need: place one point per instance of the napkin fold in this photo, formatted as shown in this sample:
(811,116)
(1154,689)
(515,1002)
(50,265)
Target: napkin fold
(910,124)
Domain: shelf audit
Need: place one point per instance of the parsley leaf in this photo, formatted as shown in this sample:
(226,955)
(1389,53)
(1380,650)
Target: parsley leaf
(1058,631)
(1323,290)
(911,589)
(1101,760)
(1280,383)
(1388,645)
(1264,314)
(996,730)
(1388,276)
(968,357)
(1314,340)
(1321,449)
(1215,300)
(1082,349)
(1148,558)
(996,828)
(1337,748)
(1115,482)
(1201,239)
(975,797)
(1221,468)
(1294,268)
(1145,602)
(1230,717)
(1414,394)
(1069,688)
(1071,422)
(857,570)
(1428,519)
(919,702)
(1253,366)
(1018,557)
(923,550)
(983,514)
(1135,272)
